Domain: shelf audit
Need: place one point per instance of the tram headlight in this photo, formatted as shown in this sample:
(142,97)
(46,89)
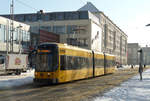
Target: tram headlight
(36,73)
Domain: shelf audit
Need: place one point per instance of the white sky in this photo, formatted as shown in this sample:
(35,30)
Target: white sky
(137,31)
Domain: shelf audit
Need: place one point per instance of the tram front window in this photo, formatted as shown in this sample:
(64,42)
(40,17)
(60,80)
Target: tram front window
(46,62)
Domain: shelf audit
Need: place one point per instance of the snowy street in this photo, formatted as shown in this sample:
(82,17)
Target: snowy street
(16,80)
(132,90)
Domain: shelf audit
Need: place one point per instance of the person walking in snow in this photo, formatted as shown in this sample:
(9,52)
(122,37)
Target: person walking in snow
(140,71)
(140,63)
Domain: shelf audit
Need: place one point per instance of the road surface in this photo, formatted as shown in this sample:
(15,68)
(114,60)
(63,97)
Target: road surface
(72,91)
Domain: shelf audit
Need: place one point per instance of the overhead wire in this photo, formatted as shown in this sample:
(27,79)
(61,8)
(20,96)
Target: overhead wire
(27,5)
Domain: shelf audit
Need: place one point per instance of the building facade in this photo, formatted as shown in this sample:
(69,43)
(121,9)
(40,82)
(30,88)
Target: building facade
(44,36)
(21,36)
(87,28)
(79,28)
(133,55)
(146,55)
(114,40)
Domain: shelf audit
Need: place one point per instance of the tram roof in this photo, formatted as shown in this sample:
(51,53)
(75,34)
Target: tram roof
(61,45)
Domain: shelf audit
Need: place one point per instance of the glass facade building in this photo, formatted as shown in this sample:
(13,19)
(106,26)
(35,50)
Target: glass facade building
(18,34)
(21,34)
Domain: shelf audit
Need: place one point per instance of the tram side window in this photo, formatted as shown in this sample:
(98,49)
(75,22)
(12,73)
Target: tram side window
(76,63)
(90,62)
(63,62)
(81,62)
(70,62)
(107,63)
(110,63)
(1,61)
(100,62)
(97,62)
(84,63)
(114,63)
(87,64)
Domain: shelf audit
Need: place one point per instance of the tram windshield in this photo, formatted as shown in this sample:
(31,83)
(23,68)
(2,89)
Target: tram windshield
(47,59)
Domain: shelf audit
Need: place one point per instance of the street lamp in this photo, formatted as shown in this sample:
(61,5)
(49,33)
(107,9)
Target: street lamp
(39,17)
(147,25)
(141,57)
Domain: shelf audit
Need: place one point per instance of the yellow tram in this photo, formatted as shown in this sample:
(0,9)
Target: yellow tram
(59,63)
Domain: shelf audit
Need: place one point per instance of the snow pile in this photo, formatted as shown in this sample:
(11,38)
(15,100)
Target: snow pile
(132,90)
(16,80)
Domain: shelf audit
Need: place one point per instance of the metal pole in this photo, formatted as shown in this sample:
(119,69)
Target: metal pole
(39,15)
(19,27)
(12,25)
(7,37)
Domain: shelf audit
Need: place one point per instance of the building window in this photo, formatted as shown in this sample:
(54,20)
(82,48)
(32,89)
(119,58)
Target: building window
(15,35)
(71,29)
(83,15)
(59,16)
(68,15)
(77,42)
(25,39)
(46,28)
(2,33)
(19,18)
(45,17)
(34,18)
(28,18)
(71,15)
(52,16)
(59,29)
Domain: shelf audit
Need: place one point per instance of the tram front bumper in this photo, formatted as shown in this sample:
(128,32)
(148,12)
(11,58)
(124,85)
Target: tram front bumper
(45,81)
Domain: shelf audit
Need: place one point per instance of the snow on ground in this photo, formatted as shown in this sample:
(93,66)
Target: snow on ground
(132,90)
(16,80)
(127,67)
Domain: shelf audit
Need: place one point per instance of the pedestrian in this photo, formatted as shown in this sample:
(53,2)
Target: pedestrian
(131,66)
(140,63)
(144,65)
(140,71)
